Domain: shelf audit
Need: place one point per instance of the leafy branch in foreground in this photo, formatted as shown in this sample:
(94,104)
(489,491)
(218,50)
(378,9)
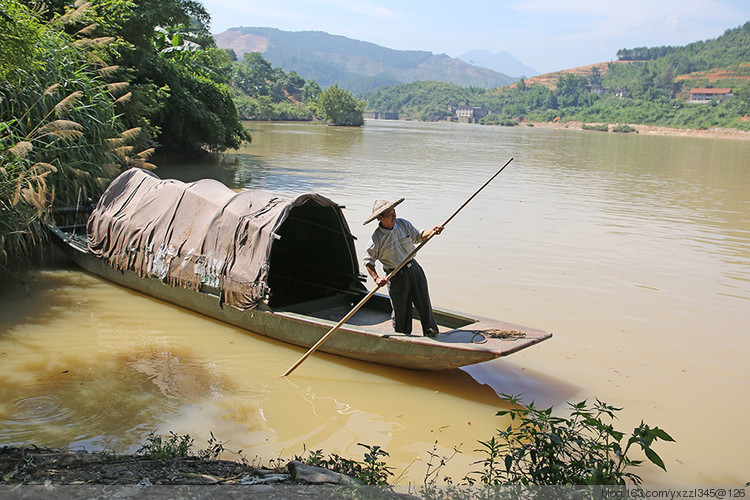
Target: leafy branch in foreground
(542,449)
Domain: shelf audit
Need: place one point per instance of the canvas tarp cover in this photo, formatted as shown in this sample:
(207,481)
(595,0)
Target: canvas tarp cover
(187,234)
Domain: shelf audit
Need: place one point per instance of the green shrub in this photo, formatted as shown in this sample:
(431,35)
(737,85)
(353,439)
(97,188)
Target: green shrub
(623,128)
(542,449)
(373,471)
(165,448)
(598,128)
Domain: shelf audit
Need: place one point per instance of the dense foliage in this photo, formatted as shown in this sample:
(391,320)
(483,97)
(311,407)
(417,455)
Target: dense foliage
(644,53)
(262,92)
(178,78)
(652,92)
(726,51)
(91,88)
(60,136)
(427,101)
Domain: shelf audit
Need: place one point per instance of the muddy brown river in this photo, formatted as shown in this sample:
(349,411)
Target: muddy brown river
(633,250)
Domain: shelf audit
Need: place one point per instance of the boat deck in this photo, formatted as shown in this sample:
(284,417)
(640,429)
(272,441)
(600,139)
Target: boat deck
(454,328)
(372,318)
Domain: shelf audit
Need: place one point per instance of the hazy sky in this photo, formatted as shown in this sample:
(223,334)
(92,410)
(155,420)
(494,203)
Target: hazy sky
(546,35)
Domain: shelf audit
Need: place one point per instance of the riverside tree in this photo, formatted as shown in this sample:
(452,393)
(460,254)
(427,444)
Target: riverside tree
(339,107)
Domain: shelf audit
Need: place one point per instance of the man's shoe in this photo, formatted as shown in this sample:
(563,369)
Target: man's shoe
(431,333)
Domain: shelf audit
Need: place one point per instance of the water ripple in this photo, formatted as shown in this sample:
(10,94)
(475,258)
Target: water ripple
(37,410)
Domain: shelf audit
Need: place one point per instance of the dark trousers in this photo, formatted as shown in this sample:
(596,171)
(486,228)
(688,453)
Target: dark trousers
(407,287)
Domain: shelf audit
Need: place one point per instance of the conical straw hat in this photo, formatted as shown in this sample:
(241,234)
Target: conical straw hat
(381,206)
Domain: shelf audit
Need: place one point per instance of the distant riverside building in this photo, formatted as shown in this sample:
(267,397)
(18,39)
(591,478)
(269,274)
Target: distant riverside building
(705,96)
(470,114)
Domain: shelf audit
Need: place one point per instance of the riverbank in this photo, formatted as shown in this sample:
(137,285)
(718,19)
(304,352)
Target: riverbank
(35,465)
(58,470)
(714,133)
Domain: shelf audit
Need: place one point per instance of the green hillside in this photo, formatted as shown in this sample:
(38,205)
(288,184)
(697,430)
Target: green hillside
(352,64)
(727,50)
(652,89)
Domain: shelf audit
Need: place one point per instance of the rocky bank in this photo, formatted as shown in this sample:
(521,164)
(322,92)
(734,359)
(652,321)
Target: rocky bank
(33,472)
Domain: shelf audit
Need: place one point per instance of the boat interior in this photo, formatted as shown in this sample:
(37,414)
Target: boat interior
(312,257)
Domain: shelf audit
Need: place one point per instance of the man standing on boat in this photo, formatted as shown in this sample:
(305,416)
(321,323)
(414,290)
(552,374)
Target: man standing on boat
(392,242)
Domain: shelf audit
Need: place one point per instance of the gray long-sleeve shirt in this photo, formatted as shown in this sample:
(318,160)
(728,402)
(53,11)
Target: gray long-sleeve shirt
(392,246)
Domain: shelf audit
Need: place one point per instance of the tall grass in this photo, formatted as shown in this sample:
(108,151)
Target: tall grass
(61,140)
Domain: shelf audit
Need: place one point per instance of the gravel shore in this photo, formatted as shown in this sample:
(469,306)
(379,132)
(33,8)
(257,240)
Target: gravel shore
(715,133)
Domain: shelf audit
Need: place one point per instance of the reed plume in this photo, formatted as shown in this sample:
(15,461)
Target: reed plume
(21,149)
(43,169)
(117,87)
(51,89)
(67,103)
(96,58)
(111,170)
(123,152)
(94,42)
(108,71)
(124,98)
(146,153)
(115,142)
(131,134)
(33,191)
(37,198)
(87,30)
(61,129)
(74,15)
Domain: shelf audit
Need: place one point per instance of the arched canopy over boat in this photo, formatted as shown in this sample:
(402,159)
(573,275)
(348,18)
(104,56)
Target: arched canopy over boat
(251,246)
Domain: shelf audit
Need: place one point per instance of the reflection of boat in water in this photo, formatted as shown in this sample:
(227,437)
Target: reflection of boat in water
(284,269)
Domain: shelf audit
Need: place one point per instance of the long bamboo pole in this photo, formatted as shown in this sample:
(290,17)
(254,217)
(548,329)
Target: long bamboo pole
(392,273)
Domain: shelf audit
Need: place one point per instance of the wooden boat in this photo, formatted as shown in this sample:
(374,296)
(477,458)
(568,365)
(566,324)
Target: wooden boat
(296,303)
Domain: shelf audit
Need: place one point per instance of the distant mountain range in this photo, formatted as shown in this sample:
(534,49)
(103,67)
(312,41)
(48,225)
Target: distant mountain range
(501,62)
(359,66)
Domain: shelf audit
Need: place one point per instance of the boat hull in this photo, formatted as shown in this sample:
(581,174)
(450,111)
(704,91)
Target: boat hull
(463,340)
